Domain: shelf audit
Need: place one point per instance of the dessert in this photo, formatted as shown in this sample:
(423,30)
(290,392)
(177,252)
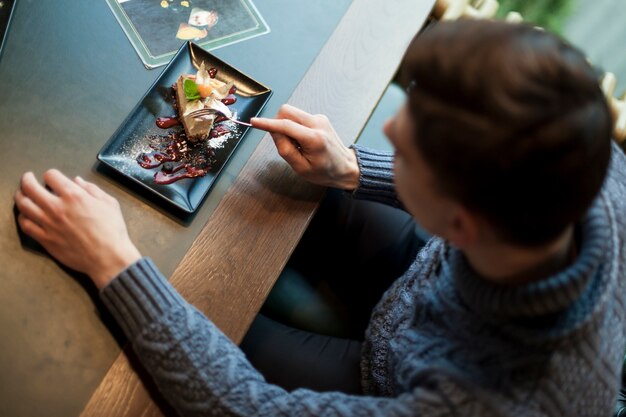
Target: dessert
(199,92)
(191,153)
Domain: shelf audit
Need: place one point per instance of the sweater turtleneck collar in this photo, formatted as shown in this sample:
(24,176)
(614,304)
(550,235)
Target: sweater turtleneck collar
(538,298)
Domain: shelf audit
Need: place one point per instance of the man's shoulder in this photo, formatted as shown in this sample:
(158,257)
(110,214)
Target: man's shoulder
(614,188)
(615,184)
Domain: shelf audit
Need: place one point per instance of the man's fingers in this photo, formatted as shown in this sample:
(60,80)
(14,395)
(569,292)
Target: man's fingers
(27,207)
(91,188)
(271,125)
(31,188)
(285,146)
(59,183)
(286,112)
(286,127)
(297,115)
(31,228)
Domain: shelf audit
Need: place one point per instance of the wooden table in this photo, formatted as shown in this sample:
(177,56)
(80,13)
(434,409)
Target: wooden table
(244,232)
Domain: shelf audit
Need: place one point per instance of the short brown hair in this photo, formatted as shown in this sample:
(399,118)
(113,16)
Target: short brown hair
(513,123)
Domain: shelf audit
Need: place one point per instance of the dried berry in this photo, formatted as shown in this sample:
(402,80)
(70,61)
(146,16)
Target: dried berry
(168,167)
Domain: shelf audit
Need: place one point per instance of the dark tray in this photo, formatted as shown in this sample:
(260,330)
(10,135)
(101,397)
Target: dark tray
(133,136)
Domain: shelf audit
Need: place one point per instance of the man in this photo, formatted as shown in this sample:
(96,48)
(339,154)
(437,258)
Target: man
(503,153)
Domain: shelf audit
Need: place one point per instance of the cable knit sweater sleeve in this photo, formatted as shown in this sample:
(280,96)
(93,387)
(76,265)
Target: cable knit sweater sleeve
(376,176)
(201,372)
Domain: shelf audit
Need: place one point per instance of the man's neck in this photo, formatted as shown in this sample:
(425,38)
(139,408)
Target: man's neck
(514,265)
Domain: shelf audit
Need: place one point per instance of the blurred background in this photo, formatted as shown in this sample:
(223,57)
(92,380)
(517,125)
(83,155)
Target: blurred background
(594,26)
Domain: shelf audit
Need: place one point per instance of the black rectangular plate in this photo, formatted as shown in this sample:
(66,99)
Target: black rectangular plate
(133,136)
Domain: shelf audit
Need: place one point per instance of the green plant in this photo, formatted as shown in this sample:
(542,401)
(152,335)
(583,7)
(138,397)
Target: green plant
(548,14)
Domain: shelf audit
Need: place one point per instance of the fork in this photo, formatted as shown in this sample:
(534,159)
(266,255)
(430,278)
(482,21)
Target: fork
(207,112)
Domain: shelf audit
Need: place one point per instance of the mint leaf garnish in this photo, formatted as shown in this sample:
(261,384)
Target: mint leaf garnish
(191,89)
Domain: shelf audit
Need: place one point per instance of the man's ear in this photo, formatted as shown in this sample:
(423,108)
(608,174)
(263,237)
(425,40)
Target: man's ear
(463,228)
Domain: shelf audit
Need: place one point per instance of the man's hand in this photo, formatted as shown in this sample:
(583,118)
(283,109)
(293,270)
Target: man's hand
(312,148)
(77,223)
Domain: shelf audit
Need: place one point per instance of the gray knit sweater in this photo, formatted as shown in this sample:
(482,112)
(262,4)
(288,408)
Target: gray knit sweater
(441,342)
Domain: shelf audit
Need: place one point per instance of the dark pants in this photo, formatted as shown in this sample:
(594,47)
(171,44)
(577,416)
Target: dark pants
(310,330)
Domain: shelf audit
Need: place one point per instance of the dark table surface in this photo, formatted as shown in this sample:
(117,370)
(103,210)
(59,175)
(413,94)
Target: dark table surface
(68,78)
